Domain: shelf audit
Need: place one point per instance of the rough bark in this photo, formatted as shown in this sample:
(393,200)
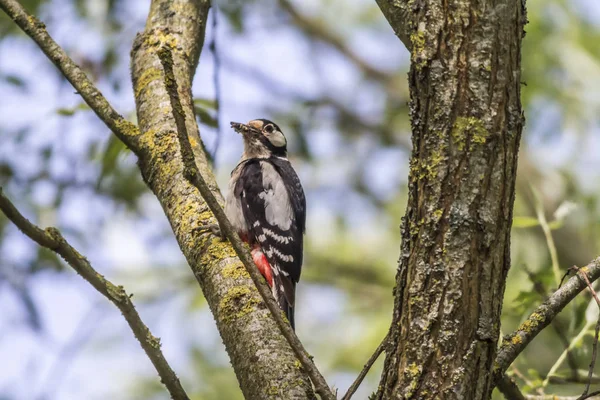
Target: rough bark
(398,14)
(466,121)
(252,339)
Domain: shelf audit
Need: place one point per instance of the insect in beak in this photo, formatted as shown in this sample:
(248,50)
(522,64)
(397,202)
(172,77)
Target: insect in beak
(238,127)
(244,129)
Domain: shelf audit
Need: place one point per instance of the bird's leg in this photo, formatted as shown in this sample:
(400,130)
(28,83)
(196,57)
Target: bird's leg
(214,228)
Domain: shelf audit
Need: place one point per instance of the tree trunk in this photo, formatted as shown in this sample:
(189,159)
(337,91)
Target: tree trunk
(264,363)
(466,126)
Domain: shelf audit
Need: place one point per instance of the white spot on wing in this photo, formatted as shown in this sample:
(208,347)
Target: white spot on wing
(278,209)
(281,256)
(278,238)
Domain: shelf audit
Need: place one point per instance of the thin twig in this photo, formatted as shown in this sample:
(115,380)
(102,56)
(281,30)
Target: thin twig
(539,209)
(589,284)
(52,239)
(527,381)
(125,130)
(597,331)
(593,360)
(578,338)
(559,380)
(565,276)
(589,396)
(192,173)
(540,318)
(555,397)
(380,349)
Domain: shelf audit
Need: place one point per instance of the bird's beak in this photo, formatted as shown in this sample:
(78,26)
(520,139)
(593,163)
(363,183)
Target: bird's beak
(240,128)
(245,129)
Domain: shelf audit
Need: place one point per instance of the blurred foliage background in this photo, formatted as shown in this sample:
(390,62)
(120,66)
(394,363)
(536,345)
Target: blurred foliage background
(333,76)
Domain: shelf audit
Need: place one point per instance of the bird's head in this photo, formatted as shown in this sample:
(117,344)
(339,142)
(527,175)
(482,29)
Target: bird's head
(262,138)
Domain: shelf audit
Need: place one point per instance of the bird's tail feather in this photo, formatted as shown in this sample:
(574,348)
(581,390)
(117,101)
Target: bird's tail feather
(288,309)
(285,294)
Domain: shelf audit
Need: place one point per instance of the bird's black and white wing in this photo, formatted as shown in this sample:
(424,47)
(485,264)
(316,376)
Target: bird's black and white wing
(274,207)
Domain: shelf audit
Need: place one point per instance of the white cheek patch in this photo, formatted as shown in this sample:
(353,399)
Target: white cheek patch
(277,139)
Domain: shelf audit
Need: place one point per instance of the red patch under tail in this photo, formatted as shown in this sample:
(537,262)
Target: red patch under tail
(263,265)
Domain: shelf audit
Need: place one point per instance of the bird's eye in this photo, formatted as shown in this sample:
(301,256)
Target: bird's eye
(269,128)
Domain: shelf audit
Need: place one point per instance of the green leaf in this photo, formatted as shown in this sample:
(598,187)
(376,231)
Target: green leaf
(114,148)
(6,171)
(234,15)
(527,297)
(197,302)
(556,224)
(14,80)
(534,374)
(205,117)
(126,186)
(69,112)
(66,112)
(48,259)
(206,103)
(525,222)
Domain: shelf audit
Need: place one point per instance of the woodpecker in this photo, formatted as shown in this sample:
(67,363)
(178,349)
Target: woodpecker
(267,207)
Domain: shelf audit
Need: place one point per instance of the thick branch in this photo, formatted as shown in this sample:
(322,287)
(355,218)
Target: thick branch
(509,389)
(540,288)
(515,343)
(398,14)
(52,239)
(265,364)
(193,175)
(125,130)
